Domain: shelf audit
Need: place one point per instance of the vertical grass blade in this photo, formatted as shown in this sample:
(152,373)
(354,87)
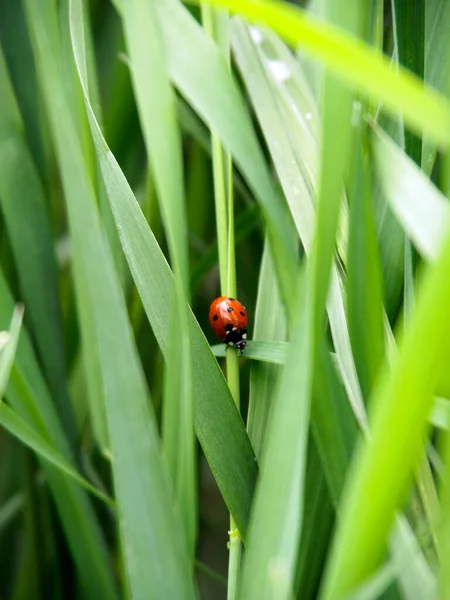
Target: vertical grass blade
(365,309)
(276,522)
(157,109)
(9,342)
(24,208)
(146,519)
(356,63)
(218,425)
(221,107)
(401,404)
(28,396)
(264,377)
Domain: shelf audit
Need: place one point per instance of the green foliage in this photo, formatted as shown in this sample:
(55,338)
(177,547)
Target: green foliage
(154,155)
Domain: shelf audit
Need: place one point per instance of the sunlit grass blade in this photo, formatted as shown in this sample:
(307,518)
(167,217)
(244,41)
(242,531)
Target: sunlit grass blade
(421,209)
(218,425)
(401,404)
(293,142)
(146,519)
(9,341)
(359,65)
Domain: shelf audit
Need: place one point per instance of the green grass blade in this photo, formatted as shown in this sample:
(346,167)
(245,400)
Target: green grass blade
(401,405)
(28,396)
(162,138)
(364,296)
(159,124)
(276,523)
(222,108)
(318,523)
(218,425)
(19,428)
(19,58)
(269,323)
(421,209)
(437,32)
(271,352)
(24,208)
(9,342)
(154,566)
(356,63)
(294,150)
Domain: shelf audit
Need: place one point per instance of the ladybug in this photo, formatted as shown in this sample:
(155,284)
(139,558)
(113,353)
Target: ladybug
(228,318)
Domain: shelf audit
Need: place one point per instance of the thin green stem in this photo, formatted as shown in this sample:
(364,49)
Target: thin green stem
(220,188)
(216,25)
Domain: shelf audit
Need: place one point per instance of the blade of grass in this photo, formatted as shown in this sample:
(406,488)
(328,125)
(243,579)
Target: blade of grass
(8,350)
(216,23)
(364,296)
(19,58)
(163,144)
(401,404)
(318,522)
(437,32)
(222,108)
(276,520)
(21,193)
(405,187)
(358,64)
(144,506)
(271,352)
(289,162)
(23,432)
(218,425)
(28,396)
(269,323)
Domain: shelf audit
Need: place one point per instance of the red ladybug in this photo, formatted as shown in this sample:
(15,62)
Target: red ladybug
(228,318)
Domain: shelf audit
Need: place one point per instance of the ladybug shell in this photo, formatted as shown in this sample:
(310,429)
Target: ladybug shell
(226,314)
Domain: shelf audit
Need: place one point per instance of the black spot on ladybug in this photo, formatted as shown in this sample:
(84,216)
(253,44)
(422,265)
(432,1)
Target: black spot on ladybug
(231,299)
(229,309)
(228,327)
(242,313)
(215,317)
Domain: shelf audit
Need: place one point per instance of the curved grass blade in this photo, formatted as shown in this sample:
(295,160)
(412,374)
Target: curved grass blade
(221,106)
(217,422)
(401,404)
(24,208)
(23,432)
(423,212)
(148,524)
(359,65)
(27,394)
(163,143)
(294,150)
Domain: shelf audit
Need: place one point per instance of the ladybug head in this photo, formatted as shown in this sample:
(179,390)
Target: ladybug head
(237,338)
(241,344)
